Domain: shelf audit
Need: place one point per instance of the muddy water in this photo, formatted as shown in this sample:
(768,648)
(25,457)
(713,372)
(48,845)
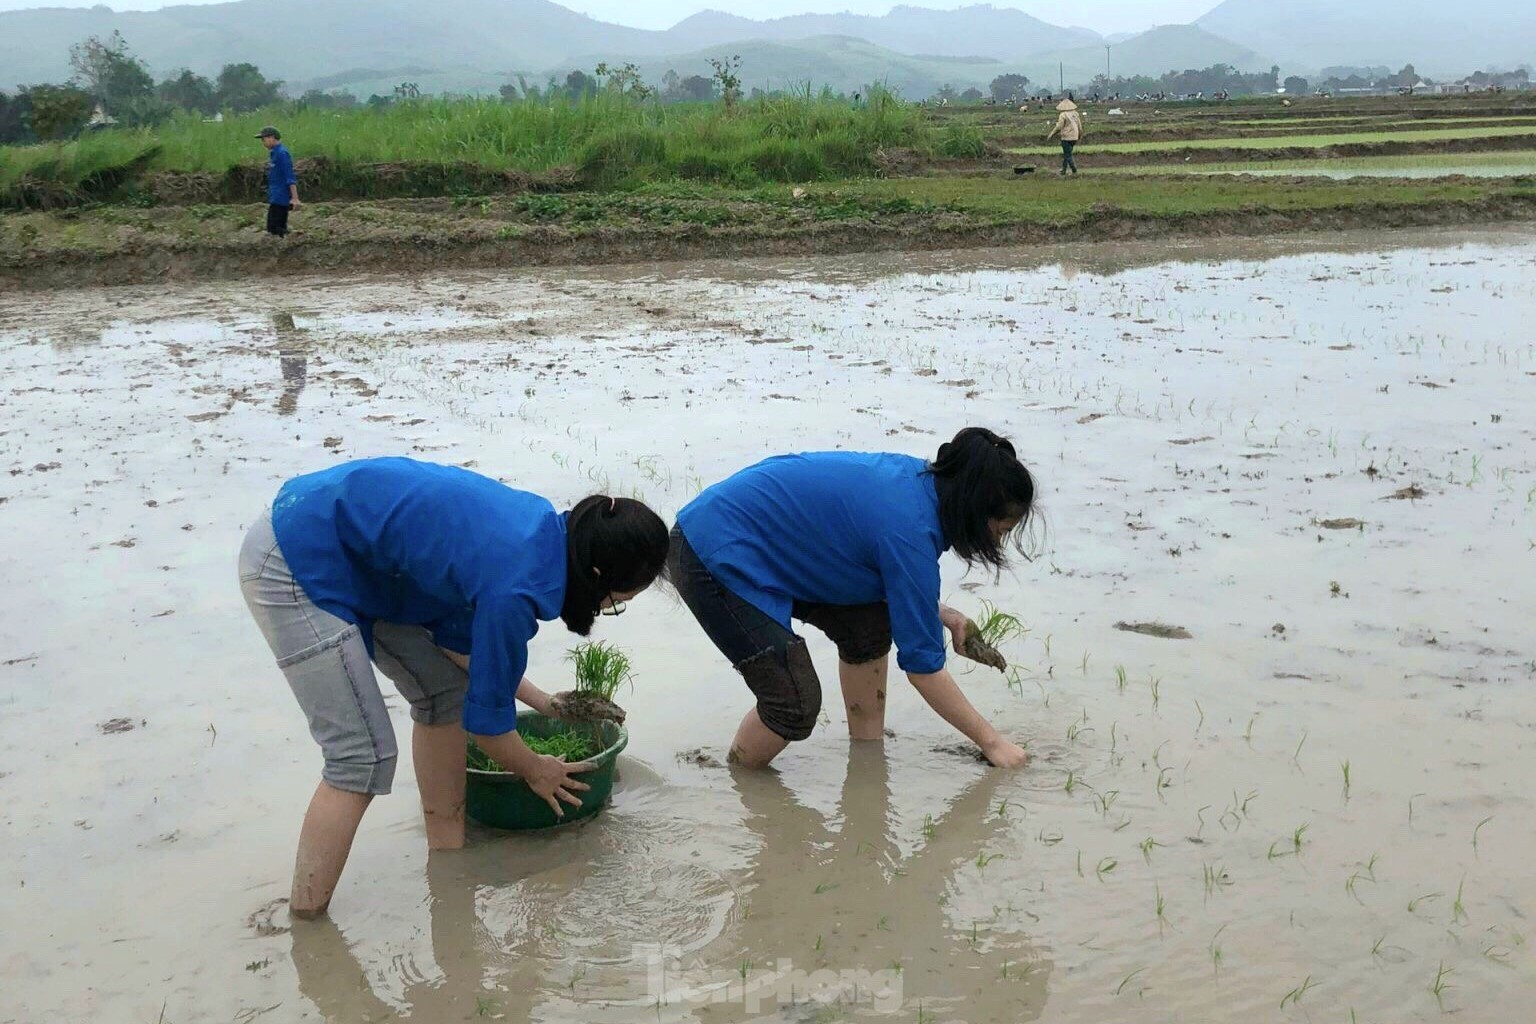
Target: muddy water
(1186,846)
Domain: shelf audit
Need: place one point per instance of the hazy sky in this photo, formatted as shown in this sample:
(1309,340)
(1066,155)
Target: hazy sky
(1103,15)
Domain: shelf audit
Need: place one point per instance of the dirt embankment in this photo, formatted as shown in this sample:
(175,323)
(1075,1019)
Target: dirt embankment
(551,246)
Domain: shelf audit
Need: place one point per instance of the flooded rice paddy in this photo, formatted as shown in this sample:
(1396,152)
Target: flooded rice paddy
(1422,165)
(1314,457)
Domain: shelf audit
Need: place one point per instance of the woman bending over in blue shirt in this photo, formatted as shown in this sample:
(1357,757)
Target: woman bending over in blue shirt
(441,577)
(849,542)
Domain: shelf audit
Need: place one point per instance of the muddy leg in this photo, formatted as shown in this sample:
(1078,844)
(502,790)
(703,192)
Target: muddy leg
(755,745)
(864,697)
(324,842)
(438,751)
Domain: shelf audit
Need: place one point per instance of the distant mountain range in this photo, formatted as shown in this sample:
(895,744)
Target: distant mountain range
(476,45)
(979,31)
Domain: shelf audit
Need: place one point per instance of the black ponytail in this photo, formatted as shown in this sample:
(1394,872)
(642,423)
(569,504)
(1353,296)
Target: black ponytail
(979,478)
(612,546)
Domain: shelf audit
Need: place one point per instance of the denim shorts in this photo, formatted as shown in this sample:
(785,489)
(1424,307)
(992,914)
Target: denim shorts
(771,659)
(328,668)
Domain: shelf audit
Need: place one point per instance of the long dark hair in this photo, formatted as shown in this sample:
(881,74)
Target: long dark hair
(612,546)
(979,478)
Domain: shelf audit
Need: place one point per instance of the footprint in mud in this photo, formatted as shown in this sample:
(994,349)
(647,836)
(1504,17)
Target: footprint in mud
(263,920)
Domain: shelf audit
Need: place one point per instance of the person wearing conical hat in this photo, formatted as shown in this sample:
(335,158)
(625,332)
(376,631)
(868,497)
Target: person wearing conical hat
(1069,125)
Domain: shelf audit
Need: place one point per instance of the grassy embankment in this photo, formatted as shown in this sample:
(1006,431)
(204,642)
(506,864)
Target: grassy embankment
(447,147)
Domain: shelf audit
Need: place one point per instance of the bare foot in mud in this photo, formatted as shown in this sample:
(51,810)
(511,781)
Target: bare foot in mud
(571,706)
(978,650)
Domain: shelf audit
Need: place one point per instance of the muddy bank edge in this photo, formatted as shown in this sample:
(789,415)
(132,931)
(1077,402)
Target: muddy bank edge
(146,264)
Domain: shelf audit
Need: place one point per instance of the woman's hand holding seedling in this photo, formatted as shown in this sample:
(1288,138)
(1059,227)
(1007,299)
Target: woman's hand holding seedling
(979,641)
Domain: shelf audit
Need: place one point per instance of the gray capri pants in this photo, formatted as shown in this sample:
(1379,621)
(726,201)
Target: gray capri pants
(328,669)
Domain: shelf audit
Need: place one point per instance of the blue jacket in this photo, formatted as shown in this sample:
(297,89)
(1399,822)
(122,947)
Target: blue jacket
(830,528)
(395,540)
(280,176)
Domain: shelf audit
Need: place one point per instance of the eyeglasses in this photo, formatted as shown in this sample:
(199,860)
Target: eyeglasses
(613,608)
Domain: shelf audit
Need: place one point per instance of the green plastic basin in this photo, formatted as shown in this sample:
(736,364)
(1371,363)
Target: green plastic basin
(503,800)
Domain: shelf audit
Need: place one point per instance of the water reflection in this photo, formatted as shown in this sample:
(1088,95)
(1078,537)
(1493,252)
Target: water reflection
(293,361)
(489,966)
(853,913)
(837,920)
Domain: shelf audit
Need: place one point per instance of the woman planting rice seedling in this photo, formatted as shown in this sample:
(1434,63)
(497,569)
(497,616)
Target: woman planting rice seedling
(439,576)
(850,543)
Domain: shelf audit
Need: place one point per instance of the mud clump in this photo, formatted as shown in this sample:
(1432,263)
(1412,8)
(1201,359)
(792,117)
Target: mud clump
(1342,524)
(969,751)
(700,758)
(1158,629)
(112,726)
(571,706)
(1413,492)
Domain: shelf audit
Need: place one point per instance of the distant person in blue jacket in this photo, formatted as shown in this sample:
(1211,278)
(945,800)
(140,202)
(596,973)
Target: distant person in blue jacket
(849,542)
(440,576)
(282,183)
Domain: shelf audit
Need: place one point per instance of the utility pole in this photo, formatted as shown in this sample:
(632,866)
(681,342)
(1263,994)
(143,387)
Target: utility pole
(1108,75)
(1061,75)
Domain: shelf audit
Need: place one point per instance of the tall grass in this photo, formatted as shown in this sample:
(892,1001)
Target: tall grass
(607,140)
(60,174)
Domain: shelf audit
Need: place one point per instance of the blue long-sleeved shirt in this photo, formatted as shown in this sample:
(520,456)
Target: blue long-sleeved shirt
(280,175)
(395,540)
(830,528)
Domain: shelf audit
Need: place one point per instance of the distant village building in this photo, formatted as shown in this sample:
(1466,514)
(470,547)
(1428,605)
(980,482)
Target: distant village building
(100,119)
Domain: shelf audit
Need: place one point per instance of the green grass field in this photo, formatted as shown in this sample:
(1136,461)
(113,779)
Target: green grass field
(1296,141)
